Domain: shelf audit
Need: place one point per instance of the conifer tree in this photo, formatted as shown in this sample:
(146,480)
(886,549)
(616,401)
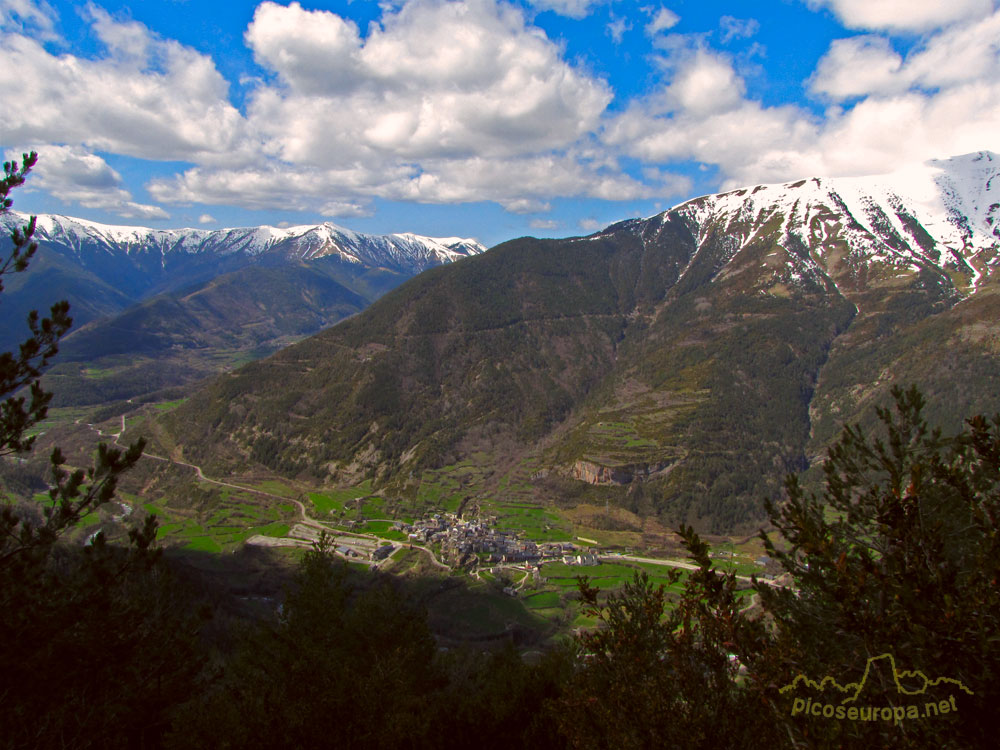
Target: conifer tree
(73,494)
(900,555)
(96,644)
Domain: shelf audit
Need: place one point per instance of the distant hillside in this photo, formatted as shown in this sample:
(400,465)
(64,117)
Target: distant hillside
(678,365)
(161,308)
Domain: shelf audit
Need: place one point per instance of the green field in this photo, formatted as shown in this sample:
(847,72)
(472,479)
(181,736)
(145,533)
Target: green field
(384,530)
(338,501)
(543,600)
(234,517)
(533,522)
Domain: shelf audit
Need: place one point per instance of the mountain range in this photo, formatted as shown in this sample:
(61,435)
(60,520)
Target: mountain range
(159,308)
(679,365)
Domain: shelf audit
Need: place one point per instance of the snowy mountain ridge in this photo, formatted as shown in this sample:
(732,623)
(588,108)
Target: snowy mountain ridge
(943,215)
(306,242)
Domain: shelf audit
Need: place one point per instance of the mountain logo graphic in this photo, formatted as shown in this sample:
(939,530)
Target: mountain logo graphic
(905,694)
(852,690)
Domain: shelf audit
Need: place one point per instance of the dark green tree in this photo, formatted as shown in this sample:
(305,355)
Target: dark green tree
(74,493)
(97,644)
(349,664)
(23,369)
(899,554)
(656,674)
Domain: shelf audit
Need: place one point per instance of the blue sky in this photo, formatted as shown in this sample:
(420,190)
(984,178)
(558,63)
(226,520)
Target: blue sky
(476,118)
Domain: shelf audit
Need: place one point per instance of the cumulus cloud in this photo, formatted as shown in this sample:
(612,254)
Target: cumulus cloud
(905,15)
(857,66)
(324,55)
(206,219)
(942,98)
(519,184)
(434,79)
(865,65)
(703,84)
(589,225)
(451,101)
(346,209)
(147,97)
(526,206)
(748,142)
(440,102)
(866,139)
(75,175)
(266,186)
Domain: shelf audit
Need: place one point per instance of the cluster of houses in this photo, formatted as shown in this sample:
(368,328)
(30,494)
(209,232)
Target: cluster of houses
(464,542)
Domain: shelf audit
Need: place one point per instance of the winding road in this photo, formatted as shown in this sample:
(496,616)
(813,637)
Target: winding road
(681,564)
(306,519)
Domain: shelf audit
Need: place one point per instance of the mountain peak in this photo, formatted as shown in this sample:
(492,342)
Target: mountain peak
(306,241)
(943,214)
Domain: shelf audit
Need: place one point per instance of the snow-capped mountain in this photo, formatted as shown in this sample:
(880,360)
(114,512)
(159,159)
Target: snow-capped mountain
(940,218)
(306,242)
(103,269)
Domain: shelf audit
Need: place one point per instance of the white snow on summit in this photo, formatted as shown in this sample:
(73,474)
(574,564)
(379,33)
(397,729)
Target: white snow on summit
(306,242)
(944,213)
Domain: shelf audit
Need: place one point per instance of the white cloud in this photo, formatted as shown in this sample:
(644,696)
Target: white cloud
(265,186)
(546,224)
(749,142)
(879,133)
(206,219)
(865,65)
(435,79)
(571,8)
(940,99)
(617,27)
(589,225)
(857,66)
(452,101)
(442,102)
(662,19)
(958,55)
(147,97)
(705,83)
(737,28)
(670,184)
(517,180)
(324,57)
(126,41)
(439,101)
(17,15)
(519,184)
(526,206)
(905,15)
(346,209)
(75,175)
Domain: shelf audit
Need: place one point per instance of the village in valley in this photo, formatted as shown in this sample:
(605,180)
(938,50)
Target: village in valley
(470,545)
(467,544)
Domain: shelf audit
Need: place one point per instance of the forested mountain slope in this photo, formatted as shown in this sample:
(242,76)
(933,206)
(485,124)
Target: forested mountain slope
(680,364)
